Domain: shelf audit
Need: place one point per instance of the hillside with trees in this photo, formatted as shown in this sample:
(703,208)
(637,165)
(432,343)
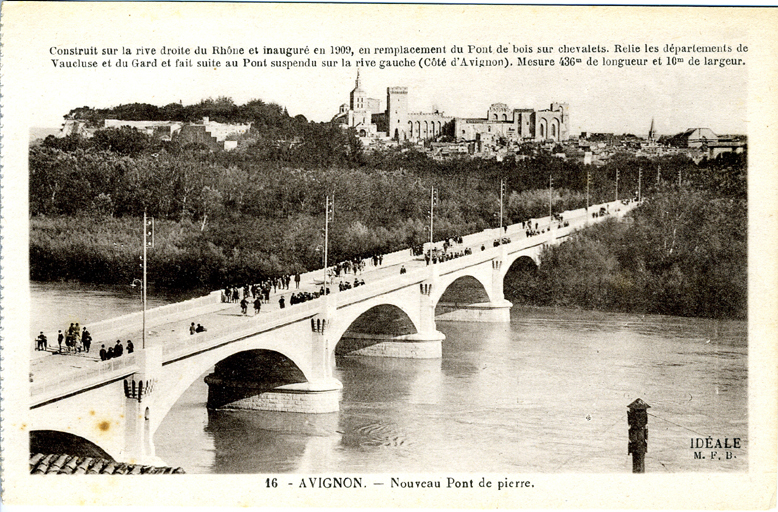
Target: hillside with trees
(229,217)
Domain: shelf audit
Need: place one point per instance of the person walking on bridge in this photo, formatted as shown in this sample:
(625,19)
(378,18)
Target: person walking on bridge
(257,305)
(244,304)
(86,340)
(41,342)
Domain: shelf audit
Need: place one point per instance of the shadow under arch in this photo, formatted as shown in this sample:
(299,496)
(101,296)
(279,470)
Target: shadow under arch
(248,373)
(377,324)
(523,264)
(520,282)
(56,442)
(461,292)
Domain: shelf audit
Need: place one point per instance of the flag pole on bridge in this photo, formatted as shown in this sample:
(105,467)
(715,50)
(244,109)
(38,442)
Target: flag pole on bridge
(143,291)
(326,237)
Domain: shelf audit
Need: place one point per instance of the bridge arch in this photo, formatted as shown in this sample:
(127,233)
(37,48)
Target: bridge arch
(378,323)
(262,369)
(180,381)
(467,289)
(58,442)
(528,259)
(524,262)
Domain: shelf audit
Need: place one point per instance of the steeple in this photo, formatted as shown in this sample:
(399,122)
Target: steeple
(358,95)
(651,132)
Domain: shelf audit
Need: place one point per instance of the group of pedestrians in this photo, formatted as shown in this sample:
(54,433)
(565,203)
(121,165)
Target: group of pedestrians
(196,329)
(437,256)
(346,285)
(300,297)
(354,265)
(75,340)
(116,351)
(261,289)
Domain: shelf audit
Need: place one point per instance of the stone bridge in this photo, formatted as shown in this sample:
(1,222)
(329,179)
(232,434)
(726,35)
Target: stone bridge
(280,359)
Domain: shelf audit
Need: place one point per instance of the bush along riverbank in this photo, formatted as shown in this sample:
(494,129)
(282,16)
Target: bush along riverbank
(683,252)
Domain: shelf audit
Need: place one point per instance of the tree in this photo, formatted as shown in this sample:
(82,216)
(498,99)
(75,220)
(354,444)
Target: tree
(124,140)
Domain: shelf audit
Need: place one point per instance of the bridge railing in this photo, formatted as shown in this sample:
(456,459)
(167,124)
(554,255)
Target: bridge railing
(380,286)
(154,316)
(44,385)
(185,343)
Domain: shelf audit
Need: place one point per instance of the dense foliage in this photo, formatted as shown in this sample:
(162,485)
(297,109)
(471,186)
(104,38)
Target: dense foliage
(684,252)
(265,117)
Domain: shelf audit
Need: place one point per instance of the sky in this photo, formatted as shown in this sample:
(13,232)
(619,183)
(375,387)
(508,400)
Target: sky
(601,99)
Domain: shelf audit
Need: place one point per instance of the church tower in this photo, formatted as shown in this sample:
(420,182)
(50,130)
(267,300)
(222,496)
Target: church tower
(358,96)
(397,113)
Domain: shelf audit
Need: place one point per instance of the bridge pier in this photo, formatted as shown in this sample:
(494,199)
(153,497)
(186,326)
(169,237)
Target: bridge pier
(138,409)
(269,381)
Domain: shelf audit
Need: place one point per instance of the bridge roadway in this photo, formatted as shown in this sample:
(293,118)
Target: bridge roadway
(59,380)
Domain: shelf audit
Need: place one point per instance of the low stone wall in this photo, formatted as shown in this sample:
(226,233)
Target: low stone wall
(304,397)
(288,401)
(482,312)
(107,329)
(407,349)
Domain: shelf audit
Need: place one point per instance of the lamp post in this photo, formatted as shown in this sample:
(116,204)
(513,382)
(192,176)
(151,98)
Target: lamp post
(550,185)
(588,180)
(640,181)
(433,197)
(143,290)
(502,192)
(328,211)
(617,185)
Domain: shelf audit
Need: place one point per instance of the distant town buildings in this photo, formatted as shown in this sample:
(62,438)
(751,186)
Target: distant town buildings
(397,123)
(517,124)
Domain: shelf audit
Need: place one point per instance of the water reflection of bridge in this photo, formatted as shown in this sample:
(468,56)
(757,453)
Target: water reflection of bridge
(281,360)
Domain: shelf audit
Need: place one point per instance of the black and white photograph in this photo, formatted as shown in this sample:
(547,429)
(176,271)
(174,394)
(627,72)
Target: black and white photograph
(479,256)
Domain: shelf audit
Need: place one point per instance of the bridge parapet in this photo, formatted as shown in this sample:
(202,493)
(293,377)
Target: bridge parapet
(47,387)
(381,286)
(105,329)
(186,343)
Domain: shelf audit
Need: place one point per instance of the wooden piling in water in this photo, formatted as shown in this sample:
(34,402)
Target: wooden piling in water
(637,418)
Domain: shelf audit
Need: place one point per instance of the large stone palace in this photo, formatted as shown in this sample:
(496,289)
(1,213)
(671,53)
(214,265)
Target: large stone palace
(397,123)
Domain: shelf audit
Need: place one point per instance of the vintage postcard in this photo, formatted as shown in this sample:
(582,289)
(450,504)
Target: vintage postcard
(388,255)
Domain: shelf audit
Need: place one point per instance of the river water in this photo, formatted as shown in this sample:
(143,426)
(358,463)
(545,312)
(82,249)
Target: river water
(546,393)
